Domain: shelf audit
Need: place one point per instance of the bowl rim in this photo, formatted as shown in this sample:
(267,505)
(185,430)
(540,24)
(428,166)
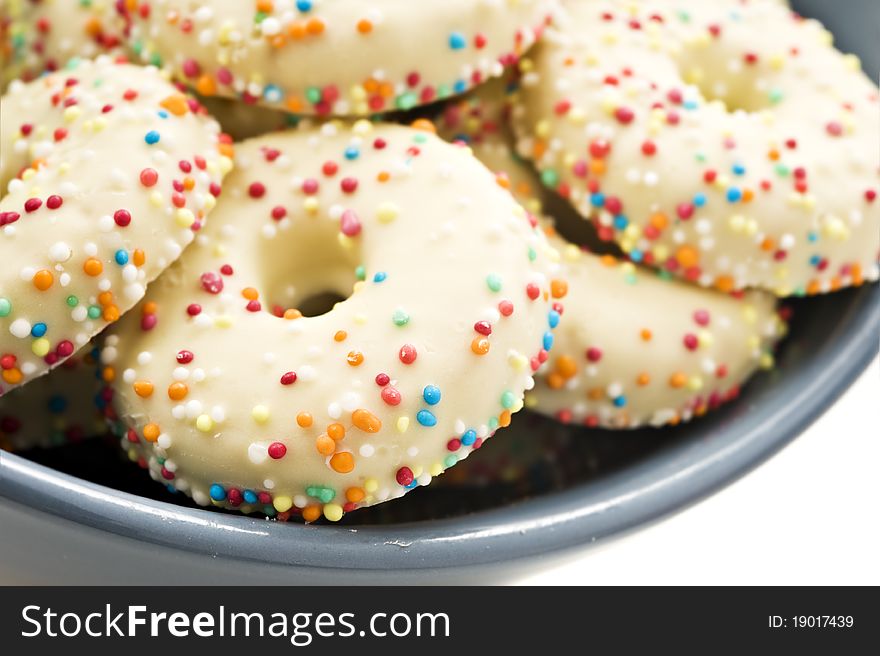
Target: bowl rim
(638,494)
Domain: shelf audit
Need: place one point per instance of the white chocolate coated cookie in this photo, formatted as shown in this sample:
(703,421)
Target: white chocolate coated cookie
(107,173)
(635,347)
(727,143)
(63,407)
(235,398)
(38,36)
(336,57)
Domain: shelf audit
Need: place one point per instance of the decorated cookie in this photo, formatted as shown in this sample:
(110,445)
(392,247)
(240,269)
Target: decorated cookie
(236,398)
(335,57)
(107,174)
(726,143)
(63,407)
(39,36)
(636,347)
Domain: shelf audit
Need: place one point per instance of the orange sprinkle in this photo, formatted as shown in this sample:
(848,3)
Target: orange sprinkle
(342,462)
(315,26)
(296,31)
(206,86)
(364,26)
(336,432)
(93,27)
(293,104)
(384,176)
(111,313)
(176,104)
(250,293)
(767,244)
(340,336)
(265,6)
(151,432)
(108,375)
(311,513)
(554,380)
(43,279)
(687,256)
(559,288)
(566,366)
(596,394)
(143,388)
(292,314)
(646,335)
(304,419)
(278,41)
(643,379)
(504,418)
(355,494)
(106,298)
(150,307)
(609,260)
(177,391)
(366,421)
(677,380)
(480,345)
(138,258)
(189,183)
(93,267)
(12,376)
(355,358)
(597,166)
(325,444)
(724,283)
(659,221)
(424,125)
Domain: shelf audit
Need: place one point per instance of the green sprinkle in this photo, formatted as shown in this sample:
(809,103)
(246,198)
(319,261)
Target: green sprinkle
(494,282)
(400,317)
(550,178)
(450,461)
(72,301)
(360,272)
(5,307)
(94,312)
(533,254)
(321,493)
(508,399)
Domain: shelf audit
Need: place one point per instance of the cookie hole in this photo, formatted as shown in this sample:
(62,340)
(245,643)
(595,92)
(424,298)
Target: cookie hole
(308,268)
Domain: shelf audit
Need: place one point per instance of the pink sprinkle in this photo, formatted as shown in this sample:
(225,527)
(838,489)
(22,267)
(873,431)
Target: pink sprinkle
(691,342)
(350,224)
(594,354)
(834,128)
(408,354)
(390,395)
(701,317)
(212,283)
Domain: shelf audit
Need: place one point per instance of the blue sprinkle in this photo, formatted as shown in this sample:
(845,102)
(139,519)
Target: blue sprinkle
(304,5)
(553,318)
(121,257)
(152,137)
(621,222)
(352,152)
(411,485)
(636,255)
(815,260)
(700,200)
(426,418)
(457,41)
(379,277)
(39,329)
(57,405)
(250,496)
(431,394)
(733,195)
(163,113)
(598,200)
(812,237)
(217,492)
(690,104)
(620,401)
(548,341)
(739,169)
(272,93)
(460,86)
(469,437)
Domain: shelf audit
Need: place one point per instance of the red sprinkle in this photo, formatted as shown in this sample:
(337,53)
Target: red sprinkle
(122,218)
(277,450)
(289,378)
(408,354)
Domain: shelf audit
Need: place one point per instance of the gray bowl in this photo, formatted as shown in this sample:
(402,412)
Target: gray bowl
(76,516)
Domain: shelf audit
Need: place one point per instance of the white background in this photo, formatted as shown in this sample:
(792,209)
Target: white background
(809,515)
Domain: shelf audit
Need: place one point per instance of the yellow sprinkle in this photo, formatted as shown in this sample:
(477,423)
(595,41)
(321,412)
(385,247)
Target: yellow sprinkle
(436,469)
(40,347)
(333,512)
(204,423)
(260,413)
(402,424)
(371,485)
(282,503)
(387,212)
(184,217)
